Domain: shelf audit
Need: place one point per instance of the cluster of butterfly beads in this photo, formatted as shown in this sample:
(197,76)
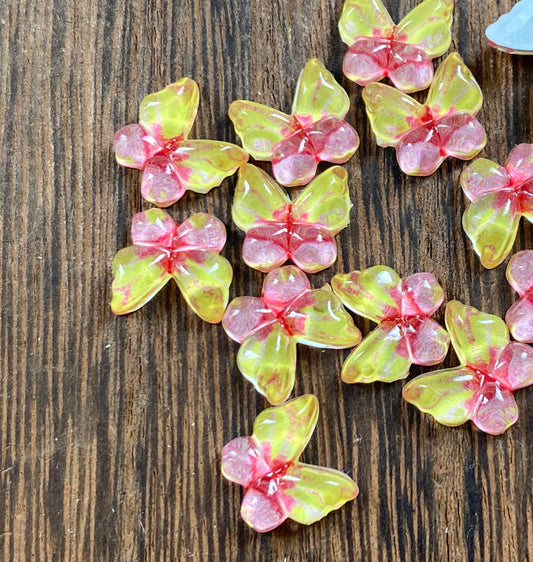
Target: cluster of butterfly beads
(279,228)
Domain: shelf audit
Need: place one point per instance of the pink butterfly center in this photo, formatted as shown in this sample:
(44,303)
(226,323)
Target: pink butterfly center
(408,327)
(270,483)
(522,190)
(486,382)
(155,146)
(385,47)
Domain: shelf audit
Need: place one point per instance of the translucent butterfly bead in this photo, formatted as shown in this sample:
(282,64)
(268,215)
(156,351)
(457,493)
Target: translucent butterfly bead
(158,145)
(403,52)
(424,135)
(500,195)
(278,486)
(163,250)
(405,334)
(278,229)
(481,388)
(519,317)
(268,328)
(513,32)
(314,132)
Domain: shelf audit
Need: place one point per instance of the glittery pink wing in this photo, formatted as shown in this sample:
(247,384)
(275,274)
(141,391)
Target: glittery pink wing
(242,461)
(201,231)
(428,342)
(160,182)
(366,60)
(520,162)
(421,295)
(333,140)
(133,147)
(294,160)
(420,151)
(244,316)
(519,317)
(312,248)
(461,136)
(283,285)
(317,318)
(262,511)
(266,246)
(409,68)
(311,492)
(483,176)
(154,227)
(496,409)
(514,368)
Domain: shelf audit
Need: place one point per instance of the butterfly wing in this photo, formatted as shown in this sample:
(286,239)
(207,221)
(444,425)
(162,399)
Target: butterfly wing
(477,337)
(267,358)
(133,147)
(311,492)
(317,318)
(514,368)
(201,231)
(318,95)
(427,340)
(260,127)
(392,113)
(428,26)
(483,176)
(373,293)
(421,294)
(312,248)
(203,277)
(383,355)
(491,222)
(519,317)
(244,316)
(169,114)
(364,18)
(520,162)
(496,409)
(138,275)
(448,395)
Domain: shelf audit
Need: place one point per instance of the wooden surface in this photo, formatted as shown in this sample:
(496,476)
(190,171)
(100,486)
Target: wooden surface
(111,428)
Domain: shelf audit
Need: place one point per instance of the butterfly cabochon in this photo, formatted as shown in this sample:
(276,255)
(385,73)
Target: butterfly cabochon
(481,387)
(378,48)
(278,228)
(279,486)
(424,135)
(513,32)
(314,132)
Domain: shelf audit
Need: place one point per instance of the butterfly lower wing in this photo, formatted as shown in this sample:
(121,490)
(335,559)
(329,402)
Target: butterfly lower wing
(421,294)
(491,222)
(520,161)
(244,316)
(519,319)
(267,358)
(373,293)
(477,337)
(366,61)
(325,201)
(364,18)
(131,148)
(260,127)
(311,492)
(519,272)
(514,366)
(170,113)
(420,151)
(160,183)
(428,341)
(428,26)
(383,355)
(239,460)
(261,511)
(201,231)
(448,395)
(391,113)
(454,89)
(461,135)
(266,246)
(317,318)
(483,176)
(203,164)
(139,273)
(496,408)
(283,432)
(409,67)
(203,277)
(312,248)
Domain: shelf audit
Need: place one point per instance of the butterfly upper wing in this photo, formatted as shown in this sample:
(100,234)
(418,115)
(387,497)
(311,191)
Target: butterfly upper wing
(317,318)
(364,18)
(448,395)
(325,201)
(454,89)
(257,199)
(491,222)
(283,432)
(311,492)
(170,113)
(428,26)
(478,338)
(318,95)
(392,113)
(138,274)
(374,293)
(203,277)
(260,127)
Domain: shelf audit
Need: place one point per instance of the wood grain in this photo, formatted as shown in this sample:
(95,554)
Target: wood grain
(111,428)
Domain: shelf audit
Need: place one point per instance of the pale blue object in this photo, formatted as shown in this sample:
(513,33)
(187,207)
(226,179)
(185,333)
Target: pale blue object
(513,32)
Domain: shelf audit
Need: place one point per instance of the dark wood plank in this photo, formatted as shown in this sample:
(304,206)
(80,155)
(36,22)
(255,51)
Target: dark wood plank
(111,428)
